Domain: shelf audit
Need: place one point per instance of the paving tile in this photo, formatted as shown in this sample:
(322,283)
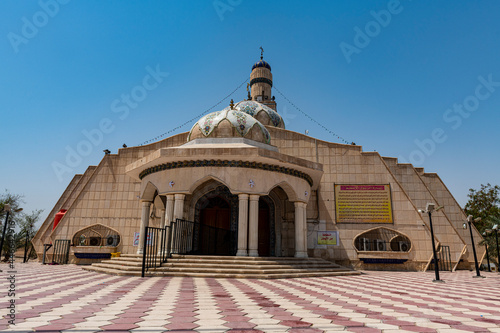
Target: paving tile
(81,301)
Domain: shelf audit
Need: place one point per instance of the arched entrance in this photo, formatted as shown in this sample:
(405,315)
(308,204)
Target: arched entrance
(216,223)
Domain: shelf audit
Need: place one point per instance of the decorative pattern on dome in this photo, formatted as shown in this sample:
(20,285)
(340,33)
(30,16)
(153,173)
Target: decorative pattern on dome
(248,107)
(241,121)
(210,121)
(261,63)
(253,108)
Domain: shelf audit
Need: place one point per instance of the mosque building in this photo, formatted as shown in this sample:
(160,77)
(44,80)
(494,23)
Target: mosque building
(271,192)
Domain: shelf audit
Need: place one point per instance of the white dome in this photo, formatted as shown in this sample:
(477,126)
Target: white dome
(229,123)
(261,112)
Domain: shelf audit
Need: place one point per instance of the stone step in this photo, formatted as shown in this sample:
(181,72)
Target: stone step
(119,267)
(130,255)
(228,258)
(122,262)
(248,266)
(236,260)
(223,266)
(244,271)
(252,276)
(127,259)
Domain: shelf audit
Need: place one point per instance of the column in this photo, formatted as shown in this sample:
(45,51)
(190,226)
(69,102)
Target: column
(300,234)
(169,209)
(305,229)
(253,227)
(146,206)
(242,225)
(169,217)
(179,206)
(162,218)
(178,214)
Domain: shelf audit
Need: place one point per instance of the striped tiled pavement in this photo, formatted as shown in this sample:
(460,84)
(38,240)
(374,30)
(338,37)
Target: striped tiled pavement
(69,299)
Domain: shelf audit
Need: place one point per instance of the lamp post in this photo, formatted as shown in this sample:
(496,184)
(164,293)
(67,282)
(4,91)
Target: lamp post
(6,208)
(469,221)
(487,254)
(495,228)
(429,209)
(26,245)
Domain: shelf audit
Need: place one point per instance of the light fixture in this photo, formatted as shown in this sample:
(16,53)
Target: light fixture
(470,219)
(429,209)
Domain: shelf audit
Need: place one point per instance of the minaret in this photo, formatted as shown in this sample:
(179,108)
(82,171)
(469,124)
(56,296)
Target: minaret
(261,82)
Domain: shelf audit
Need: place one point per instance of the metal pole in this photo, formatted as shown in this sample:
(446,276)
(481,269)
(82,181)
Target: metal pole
(474,249)
(487,257)
(436,266)
(26,245)
(144,249)
(3,234)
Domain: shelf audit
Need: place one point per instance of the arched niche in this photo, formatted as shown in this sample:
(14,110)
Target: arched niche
(382,239)
(96,235)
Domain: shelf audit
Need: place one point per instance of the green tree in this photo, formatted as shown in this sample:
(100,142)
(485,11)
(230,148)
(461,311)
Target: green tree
(24,223)
(484,203)
(490,238)
(27,228)
(15,200)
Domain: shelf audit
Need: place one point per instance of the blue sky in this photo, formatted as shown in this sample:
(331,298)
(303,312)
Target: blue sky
(417,80)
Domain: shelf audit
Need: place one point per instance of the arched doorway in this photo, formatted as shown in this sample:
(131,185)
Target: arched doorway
(216,223)
(215,227)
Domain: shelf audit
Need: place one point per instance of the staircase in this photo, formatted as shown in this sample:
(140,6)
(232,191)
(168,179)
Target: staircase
(224,267)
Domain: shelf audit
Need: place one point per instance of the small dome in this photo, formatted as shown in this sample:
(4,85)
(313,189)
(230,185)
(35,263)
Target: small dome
(261,63)
(229,123)
(261,112)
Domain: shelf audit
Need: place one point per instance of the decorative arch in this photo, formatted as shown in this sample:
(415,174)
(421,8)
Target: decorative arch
(149,192)
(287,188)
(96,235)
(382,239)
(206,179)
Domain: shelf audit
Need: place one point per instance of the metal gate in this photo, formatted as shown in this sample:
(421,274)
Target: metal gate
(61,251)
(444,257)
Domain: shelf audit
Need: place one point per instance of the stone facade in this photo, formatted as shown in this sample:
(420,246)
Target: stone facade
(290,179)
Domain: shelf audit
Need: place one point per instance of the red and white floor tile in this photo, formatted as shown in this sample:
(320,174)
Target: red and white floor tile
(68,299)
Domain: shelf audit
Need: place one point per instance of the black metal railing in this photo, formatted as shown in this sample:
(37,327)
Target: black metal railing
(444,258)
(61,251)
(183,237)
(155,247)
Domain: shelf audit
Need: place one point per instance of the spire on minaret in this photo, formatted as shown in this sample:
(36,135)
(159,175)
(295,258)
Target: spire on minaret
(261,82)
